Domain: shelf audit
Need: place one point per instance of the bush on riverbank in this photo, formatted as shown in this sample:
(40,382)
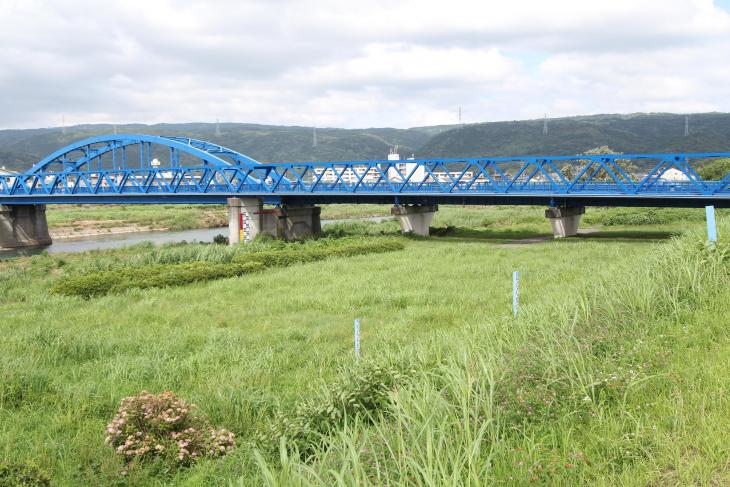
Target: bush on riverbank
(190,264)
(162,426)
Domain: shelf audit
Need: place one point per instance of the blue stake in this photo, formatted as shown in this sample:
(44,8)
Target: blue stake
(711,225)
(357,339)
(515,292)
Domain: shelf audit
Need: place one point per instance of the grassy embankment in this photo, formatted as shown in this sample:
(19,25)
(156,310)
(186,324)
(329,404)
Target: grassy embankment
(615,371)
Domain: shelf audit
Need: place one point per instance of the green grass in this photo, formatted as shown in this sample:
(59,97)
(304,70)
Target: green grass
(637,327)
(179,265)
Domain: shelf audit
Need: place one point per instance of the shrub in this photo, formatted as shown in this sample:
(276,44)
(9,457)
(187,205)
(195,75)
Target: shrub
(715,170)
(25,474)
(361,393)
(220,239)
(163,427)
(647,217)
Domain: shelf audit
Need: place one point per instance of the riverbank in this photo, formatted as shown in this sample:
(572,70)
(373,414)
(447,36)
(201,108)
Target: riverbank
(74,221)
(79,221)
(596,382)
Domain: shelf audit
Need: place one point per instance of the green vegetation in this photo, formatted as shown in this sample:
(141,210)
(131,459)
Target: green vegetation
(614,372)
(27,474)
(178,265)
(636,133)
(716,170)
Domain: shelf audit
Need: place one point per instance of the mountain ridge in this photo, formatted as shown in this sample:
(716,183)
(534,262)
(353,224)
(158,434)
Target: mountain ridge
(635,132)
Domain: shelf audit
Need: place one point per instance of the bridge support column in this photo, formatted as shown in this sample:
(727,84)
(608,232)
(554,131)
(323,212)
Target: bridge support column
(244,219)
(414,219)
(297,222)
(565,220)
(23,226)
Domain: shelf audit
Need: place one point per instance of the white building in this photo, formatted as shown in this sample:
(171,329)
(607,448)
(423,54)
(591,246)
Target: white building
(674,175)
(396,172)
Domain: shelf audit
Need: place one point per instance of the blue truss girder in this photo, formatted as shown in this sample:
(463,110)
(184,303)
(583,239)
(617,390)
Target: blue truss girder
(100,167)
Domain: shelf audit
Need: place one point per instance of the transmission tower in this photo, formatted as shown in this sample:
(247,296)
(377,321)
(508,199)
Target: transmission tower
(544,126)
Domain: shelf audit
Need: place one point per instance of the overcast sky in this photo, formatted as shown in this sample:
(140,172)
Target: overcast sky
(357,64)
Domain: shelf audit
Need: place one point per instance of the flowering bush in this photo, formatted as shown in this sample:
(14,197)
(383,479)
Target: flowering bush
(161,426)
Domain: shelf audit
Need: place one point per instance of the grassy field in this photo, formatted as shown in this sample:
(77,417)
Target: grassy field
(615,371)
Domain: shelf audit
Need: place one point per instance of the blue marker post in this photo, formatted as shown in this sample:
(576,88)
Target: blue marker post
(357,339)
(711,224)
(515,292)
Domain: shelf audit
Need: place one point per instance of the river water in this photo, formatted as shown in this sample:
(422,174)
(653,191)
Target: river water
(113,241)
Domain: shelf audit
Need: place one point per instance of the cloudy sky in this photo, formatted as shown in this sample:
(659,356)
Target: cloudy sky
(357,64)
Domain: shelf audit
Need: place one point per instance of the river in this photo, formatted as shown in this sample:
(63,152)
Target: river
(117,240)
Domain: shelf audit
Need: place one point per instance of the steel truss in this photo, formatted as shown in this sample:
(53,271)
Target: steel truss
(177,169)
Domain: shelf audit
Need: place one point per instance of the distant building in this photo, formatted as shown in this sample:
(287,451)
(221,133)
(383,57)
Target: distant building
(398,172)
(674,175)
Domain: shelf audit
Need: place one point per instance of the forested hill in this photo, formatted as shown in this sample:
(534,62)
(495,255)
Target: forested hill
(19,149)
(638,133)
(22,148)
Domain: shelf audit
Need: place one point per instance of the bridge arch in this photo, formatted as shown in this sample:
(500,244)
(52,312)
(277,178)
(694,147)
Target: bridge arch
(110,152)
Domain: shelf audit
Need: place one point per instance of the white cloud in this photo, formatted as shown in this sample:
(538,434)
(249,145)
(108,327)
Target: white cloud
(357,64)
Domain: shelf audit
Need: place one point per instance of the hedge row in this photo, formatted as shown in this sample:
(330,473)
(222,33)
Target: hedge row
(302,253)
(115,281)
(100,283)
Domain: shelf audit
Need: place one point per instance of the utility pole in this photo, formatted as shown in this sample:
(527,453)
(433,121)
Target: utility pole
(686,125)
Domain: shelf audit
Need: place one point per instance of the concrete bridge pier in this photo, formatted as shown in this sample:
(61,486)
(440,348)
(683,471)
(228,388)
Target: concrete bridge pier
(297,222)
(247,218)
(565,220)
(23,226)
(244,219)
(414,219)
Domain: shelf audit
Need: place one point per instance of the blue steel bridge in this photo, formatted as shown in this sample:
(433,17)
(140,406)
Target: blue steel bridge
(156,169)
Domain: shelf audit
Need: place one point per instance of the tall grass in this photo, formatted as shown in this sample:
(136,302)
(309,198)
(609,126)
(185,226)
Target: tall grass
(519,406)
